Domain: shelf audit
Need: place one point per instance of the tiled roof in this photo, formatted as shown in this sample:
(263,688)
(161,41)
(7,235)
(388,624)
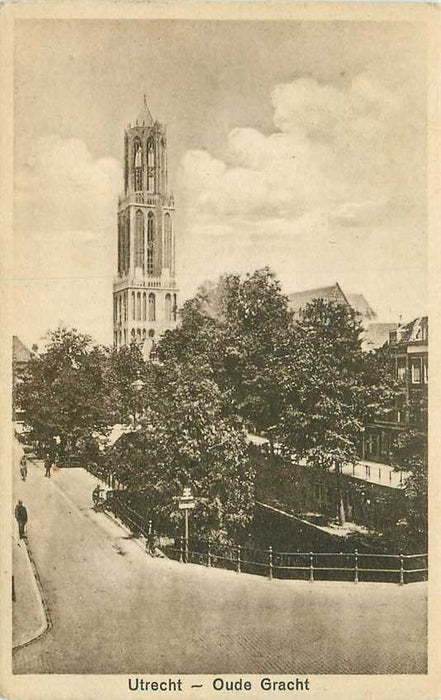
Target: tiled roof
(334,293)
(361,306)
(20,353)
(415,331)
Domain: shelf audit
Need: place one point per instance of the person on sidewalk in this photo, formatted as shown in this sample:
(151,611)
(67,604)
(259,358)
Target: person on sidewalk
(23,468)
(21,516)
(47,466)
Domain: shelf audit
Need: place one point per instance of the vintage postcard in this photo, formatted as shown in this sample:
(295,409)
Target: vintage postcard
(220,283)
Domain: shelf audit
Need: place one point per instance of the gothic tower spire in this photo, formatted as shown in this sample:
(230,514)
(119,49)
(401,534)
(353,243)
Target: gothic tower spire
(145,290)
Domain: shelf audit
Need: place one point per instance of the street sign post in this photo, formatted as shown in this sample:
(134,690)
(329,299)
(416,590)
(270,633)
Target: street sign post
(186,503)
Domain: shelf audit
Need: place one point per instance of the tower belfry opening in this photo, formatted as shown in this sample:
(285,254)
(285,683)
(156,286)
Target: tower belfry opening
(145,292)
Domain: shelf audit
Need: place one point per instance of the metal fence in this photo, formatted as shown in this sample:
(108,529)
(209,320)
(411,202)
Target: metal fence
(310,566)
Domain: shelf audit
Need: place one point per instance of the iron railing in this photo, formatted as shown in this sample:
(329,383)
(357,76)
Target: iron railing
(312,566)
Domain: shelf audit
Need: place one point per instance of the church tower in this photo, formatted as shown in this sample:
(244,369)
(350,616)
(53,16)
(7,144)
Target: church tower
(145,291)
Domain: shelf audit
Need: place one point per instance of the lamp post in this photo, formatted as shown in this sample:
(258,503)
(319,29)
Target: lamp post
(186,503)
(136,387)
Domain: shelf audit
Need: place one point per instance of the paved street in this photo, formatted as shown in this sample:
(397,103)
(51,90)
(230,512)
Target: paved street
(116,610)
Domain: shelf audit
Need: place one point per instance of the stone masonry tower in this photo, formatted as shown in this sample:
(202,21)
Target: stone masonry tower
(145,291)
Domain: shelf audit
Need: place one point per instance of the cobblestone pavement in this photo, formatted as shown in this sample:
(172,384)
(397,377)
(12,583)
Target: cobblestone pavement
(116,610)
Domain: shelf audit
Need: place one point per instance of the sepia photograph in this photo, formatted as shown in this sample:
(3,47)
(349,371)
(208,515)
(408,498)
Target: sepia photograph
(219,352)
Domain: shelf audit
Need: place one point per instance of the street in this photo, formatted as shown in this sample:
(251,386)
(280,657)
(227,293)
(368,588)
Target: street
(116,610)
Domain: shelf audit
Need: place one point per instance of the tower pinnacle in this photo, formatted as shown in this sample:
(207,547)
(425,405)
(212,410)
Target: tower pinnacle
(144,118)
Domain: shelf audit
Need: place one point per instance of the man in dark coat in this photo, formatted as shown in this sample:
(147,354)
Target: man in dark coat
(21,516)
(47,465)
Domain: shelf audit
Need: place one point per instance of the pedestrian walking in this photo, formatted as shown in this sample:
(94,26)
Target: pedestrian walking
(47,466)
(21,516)
(23,468)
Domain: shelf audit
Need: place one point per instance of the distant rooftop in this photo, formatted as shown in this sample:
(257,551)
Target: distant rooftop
(20,353)
(334,293)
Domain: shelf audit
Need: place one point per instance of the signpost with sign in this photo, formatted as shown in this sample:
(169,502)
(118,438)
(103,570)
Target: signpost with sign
(186,502)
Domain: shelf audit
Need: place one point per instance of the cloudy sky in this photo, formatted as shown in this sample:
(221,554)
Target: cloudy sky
(300,145)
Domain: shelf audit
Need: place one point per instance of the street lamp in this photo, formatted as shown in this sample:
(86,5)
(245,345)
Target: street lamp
(186,502)
(136,387)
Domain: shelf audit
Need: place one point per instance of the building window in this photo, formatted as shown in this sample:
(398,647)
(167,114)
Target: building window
(384,443)
(126,244)
(168,242)
(175,307)
(144,307)
(138,306)
(144,333)
(151,333)
(401,372)
(119,247)
(133,307)
(150,166)
(425,372)
(120,309)
(152,307)
(125,306)
(150,243)
(125,336)
(138,167)
(416,371)
(168,307)
(139,240)
(115,309)
(138,333)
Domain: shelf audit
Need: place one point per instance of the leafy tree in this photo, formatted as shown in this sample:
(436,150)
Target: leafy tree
(190,438)
(410,455)
(332,388)
(240,328)
(124,366)
(64,392)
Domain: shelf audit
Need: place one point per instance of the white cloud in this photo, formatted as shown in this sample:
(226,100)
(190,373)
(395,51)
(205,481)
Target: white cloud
(65,203)
(335,192)
(335,147)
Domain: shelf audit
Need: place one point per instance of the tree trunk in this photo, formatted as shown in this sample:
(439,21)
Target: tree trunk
(341,515)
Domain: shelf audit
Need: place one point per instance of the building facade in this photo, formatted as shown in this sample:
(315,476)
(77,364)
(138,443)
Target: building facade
(145,293)
(409,347)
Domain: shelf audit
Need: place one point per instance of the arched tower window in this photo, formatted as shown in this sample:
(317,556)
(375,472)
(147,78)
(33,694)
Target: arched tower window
(139,240)
(168,249)
(168,307)
(152,307)
(120,309)
(150,243)
(144,306)
(175,307)
(126,243)
(119,246)
(138,306)
(133,307)
(137,166)
(150,165)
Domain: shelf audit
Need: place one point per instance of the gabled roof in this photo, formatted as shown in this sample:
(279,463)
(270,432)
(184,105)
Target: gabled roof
(415,331)
(20,353)
(334,293)
(361,306)
(144,117)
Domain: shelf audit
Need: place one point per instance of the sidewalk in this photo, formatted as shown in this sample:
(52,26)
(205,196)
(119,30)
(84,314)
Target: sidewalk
(28,614)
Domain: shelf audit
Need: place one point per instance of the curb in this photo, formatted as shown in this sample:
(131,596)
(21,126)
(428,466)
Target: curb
(46,623)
